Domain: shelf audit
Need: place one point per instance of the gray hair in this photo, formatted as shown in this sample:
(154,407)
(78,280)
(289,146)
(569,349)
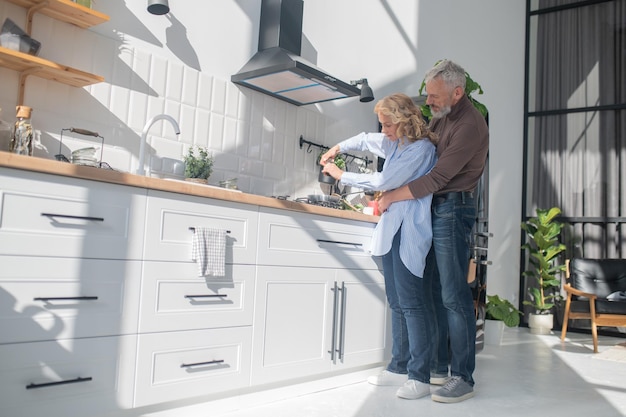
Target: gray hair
(452,74)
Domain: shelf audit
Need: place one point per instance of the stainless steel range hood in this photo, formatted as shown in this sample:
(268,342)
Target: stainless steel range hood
(278,69)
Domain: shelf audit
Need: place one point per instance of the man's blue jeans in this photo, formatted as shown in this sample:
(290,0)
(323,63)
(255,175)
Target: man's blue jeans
(410,317)
(453,219)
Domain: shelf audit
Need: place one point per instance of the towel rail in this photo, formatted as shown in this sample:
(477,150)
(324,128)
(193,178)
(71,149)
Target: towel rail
(194,229)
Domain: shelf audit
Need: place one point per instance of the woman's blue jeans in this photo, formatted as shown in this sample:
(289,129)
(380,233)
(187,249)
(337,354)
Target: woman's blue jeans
(453,219)
(410,317)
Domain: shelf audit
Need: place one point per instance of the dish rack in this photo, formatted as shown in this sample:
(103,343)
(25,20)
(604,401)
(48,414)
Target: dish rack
(81,156)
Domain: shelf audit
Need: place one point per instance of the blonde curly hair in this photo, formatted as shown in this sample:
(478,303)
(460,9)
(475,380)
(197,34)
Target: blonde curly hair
(406,114)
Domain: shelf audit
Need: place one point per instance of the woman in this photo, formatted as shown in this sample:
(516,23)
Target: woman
(402,237)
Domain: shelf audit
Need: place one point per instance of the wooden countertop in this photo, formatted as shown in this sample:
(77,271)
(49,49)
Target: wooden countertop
(49,166)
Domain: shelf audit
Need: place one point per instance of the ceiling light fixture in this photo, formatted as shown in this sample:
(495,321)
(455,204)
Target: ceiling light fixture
(158,7)
(366,92)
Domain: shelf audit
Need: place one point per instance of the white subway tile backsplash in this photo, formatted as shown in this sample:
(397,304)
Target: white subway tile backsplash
(174,82)
(137,116)
(205,90)
(191,83)
(187,121)
(200,131)
(218,97)
(253,137)
(231,105)
(158,76)
(274,172)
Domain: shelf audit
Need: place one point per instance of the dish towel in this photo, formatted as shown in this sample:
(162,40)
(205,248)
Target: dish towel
(208,249)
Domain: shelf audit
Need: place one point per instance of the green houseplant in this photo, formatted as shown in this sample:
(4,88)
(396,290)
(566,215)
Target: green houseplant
(499,312)
(471,87)
(503,310)
(198,163)
(543,247)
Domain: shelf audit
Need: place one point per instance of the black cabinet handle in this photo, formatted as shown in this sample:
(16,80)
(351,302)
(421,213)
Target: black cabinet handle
(338,242)
(207,296)
(65,298)
(68,216)
(49,384)
(187,365)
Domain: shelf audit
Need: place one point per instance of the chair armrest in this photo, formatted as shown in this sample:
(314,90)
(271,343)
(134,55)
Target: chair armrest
(571,290)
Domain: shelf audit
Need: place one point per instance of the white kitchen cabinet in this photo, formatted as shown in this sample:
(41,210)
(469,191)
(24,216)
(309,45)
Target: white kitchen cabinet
(49,215)
(70,275)
(175,298)
(171,219)
(309,240)
(64,298)
(180,365)
(312,321)
(195,332)
(69,377)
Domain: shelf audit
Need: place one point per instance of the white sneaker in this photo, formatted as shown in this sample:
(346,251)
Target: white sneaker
(413,389)
(387,378)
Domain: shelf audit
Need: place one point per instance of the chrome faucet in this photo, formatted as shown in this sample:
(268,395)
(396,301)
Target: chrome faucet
(144,138)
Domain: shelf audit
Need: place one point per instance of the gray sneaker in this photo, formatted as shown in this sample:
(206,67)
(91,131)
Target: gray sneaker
(454,391)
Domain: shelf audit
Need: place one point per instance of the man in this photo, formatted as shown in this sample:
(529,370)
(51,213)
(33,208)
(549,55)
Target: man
(462,152)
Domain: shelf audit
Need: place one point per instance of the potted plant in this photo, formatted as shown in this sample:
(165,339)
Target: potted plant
(340,161)
(543,247)
(198,164)
(499,312)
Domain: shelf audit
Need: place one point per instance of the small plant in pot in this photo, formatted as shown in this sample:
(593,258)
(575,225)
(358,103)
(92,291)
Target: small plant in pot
(340,161)
(543,247)
(499,312)
(198,164)
(503,310)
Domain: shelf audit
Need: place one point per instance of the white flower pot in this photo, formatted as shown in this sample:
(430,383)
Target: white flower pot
(494,329)
(540,323)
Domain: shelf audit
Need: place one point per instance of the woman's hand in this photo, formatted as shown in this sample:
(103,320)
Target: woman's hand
(332,170)
(329,156)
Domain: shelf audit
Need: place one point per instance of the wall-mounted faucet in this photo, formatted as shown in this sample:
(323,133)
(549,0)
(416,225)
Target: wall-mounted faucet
(144,138)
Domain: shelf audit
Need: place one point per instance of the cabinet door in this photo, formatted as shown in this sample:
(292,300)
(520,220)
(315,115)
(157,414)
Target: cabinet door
(175,298)
(301,239)
(293,323)
(171,218)
(51,215)
(71,377)
(178,365)
(62,298)
(363,336)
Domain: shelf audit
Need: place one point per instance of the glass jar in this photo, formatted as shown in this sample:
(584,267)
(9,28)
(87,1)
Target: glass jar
(22,139)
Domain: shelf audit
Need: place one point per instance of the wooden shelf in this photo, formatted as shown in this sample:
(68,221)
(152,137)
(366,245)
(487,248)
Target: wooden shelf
(33,65)
(66,11)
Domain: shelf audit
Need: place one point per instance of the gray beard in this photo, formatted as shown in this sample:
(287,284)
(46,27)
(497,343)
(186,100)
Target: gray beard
(442,113)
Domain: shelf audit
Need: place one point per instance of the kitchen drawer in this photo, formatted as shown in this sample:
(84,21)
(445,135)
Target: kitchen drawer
(178,365)
(67,377)
(60,298)
(299,239)
(51,215)
(175,298)
(172,217)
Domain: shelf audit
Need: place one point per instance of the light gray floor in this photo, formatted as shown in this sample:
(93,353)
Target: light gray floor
(527,375)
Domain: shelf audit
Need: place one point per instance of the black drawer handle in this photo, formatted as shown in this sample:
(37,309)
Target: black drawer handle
(49,384)
(67,216)
(64,298)
(188,365)
(207,296)
(339,243)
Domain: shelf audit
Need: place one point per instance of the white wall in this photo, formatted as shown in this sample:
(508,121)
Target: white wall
(181,65)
